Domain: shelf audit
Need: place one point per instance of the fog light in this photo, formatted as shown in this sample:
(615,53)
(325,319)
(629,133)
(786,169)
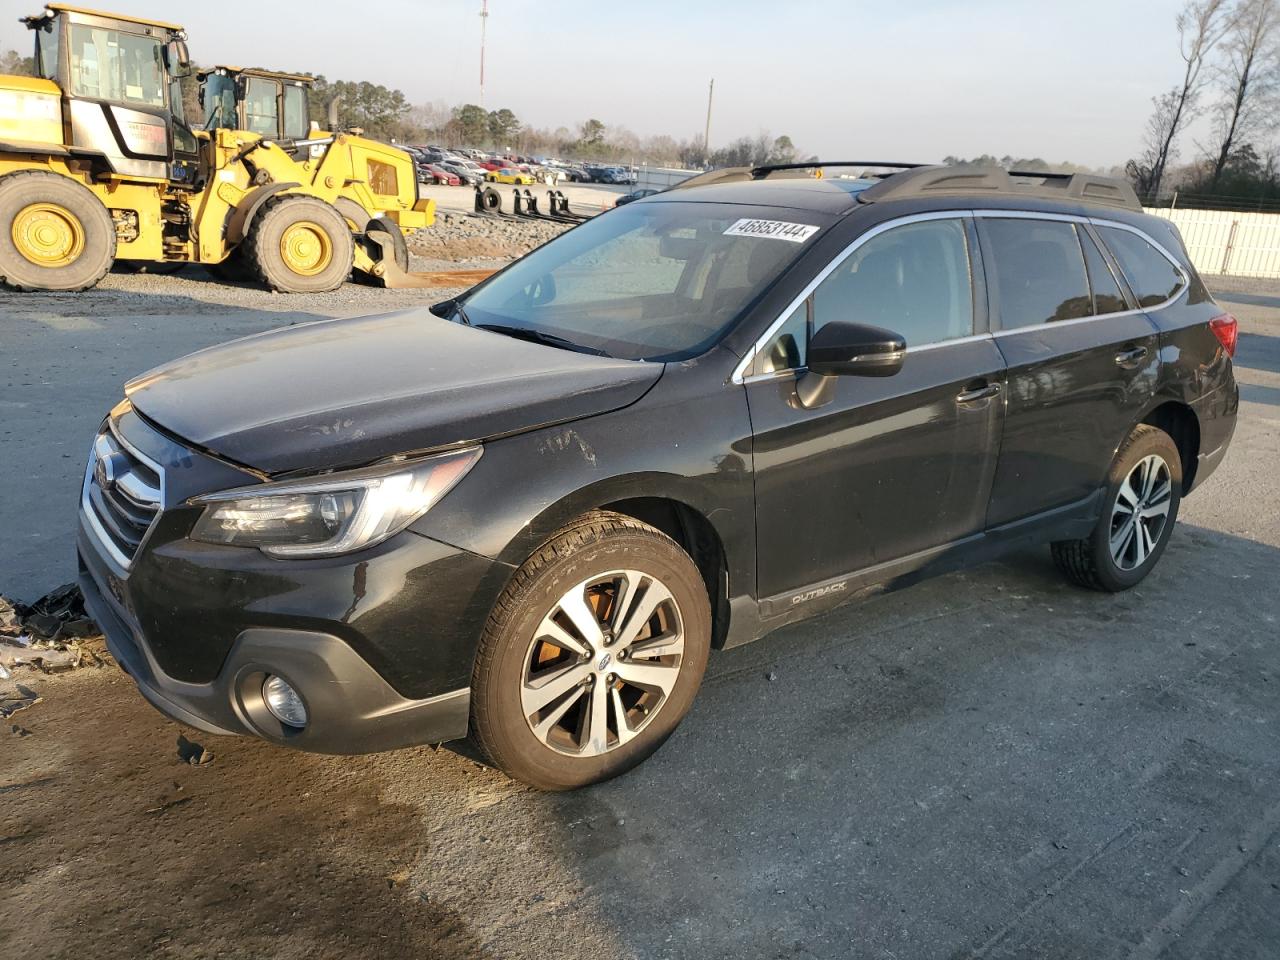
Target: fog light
(284,703)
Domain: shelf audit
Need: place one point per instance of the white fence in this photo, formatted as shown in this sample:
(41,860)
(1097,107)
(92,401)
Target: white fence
(1225,241)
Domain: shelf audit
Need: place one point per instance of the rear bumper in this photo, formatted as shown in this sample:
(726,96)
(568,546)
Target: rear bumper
(351,709)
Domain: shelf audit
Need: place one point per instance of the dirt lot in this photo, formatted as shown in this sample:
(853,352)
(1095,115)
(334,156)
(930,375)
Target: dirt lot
(992,764)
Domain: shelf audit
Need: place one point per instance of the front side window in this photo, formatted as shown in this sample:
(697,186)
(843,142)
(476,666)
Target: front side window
(261,112)
(219,102)
(648,281)
(297,124)
(1152,278)
(47,51)
(115,66)
(1038,270)
(913,280)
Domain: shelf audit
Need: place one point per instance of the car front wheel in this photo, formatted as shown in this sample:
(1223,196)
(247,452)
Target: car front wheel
(592,656)
(1143,493)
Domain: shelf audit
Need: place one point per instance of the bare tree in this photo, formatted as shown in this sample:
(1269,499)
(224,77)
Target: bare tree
(1201,24)
(1250,77)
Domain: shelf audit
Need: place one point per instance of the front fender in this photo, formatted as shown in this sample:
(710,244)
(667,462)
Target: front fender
(241,218)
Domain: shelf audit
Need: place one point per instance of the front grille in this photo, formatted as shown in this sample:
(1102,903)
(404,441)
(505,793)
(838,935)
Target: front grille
(122,496)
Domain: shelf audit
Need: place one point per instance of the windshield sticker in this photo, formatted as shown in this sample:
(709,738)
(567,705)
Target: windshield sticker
(775,229)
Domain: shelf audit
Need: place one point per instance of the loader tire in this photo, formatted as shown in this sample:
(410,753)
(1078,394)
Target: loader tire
(54,233)
(300,244)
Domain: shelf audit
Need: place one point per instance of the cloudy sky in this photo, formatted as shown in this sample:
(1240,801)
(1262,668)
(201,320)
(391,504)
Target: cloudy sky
(1067,81)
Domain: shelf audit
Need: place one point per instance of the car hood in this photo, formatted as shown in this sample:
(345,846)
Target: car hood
(339,393)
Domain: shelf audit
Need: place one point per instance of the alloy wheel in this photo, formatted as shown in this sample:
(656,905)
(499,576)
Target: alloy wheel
(602,663)
(1140,512)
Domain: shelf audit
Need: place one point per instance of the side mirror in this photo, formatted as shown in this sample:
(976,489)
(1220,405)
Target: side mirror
(841,349)
(179,60)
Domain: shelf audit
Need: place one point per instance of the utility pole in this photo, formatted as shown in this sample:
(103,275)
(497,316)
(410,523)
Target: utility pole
(706,136)
(484,23)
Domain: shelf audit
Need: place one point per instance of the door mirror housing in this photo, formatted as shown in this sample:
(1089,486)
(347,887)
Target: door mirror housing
(840,349)
(178,59)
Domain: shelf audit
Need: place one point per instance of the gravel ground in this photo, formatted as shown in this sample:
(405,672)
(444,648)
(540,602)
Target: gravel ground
(991,764)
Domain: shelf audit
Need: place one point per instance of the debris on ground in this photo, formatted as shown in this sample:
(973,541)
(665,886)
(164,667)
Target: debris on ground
(193,753)
(14,697)
(55,633)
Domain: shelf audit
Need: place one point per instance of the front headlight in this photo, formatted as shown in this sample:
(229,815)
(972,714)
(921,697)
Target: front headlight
(337,514)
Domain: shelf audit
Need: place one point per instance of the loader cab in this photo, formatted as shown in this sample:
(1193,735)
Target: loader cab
(121,83)
(276,106)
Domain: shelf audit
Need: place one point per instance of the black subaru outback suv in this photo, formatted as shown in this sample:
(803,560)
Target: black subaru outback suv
(528,514)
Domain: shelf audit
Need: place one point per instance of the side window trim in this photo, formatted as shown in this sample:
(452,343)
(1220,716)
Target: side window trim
(740,373)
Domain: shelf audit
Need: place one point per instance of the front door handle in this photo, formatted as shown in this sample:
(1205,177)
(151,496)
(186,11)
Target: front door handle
(978,391)
(1131,357)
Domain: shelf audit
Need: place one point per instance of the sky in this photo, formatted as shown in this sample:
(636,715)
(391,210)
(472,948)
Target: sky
(847,79)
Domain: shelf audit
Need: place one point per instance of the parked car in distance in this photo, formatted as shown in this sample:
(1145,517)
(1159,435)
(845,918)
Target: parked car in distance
(509,175)
(635,195)
(671,429)
(465,174)
(440,175)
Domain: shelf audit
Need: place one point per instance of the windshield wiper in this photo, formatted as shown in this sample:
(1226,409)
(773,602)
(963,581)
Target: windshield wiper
(537,336)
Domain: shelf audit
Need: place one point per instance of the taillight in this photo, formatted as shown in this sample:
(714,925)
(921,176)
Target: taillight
(1226,329)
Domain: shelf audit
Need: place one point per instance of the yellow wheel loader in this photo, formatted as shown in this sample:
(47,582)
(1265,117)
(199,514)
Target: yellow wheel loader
(98,163)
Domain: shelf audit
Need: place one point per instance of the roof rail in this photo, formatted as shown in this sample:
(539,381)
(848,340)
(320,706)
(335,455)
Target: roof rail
(764,170)
(968,181)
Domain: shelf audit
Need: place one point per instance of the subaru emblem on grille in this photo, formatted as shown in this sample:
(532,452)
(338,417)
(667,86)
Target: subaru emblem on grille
(108,469)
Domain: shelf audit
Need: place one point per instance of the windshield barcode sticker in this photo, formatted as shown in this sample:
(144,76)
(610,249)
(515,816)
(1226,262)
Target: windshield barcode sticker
(775,229)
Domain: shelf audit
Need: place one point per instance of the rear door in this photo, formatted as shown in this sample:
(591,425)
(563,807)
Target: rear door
(1082,363)
(886,467)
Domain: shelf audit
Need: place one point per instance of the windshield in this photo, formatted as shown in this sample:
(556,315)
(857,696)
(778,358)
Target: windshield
(219,102)
(648,281)
(121,67)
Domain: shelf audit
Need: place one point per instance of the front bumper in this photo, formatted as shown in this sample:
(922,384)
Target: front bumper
(351,709)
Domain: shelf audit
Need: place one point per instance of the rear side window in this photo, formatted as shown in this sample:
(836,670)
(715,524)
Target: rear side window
(1038,270)
(1107,297)
(913,280)
(1151,276)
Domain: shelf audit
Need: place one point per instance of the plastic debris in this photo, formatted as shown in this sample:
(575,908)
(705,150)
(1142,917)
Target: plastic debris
(52,634)
(15,697)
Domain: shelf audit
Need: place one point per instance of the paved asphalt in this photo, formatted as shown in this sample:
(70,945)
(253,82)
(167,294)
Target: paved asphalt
(991,764)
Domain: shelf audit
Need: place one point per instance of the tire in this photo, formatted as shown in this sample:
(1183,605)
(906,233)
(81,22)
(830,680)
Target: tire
(596,557)
(300,244)
(1119,553)
(54,233)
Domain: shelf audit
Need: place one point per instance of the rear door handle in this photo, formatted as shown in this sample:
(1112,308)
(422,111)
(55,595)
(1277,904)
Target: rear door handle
(978,391)
(1130,358)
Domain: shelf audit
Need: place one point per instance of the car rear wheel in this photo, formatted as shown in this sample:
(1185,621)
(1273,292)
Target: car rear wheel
(1144,491)
(592,655)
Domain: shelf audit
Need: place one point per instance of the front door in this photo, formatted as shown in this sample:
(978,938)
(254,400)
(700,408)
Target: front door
(885,467)
(1082,367)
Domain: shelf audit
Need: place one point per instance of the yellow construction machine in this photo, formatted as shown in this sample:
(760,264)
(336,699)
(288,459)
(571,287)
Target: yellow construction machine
(98,163)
